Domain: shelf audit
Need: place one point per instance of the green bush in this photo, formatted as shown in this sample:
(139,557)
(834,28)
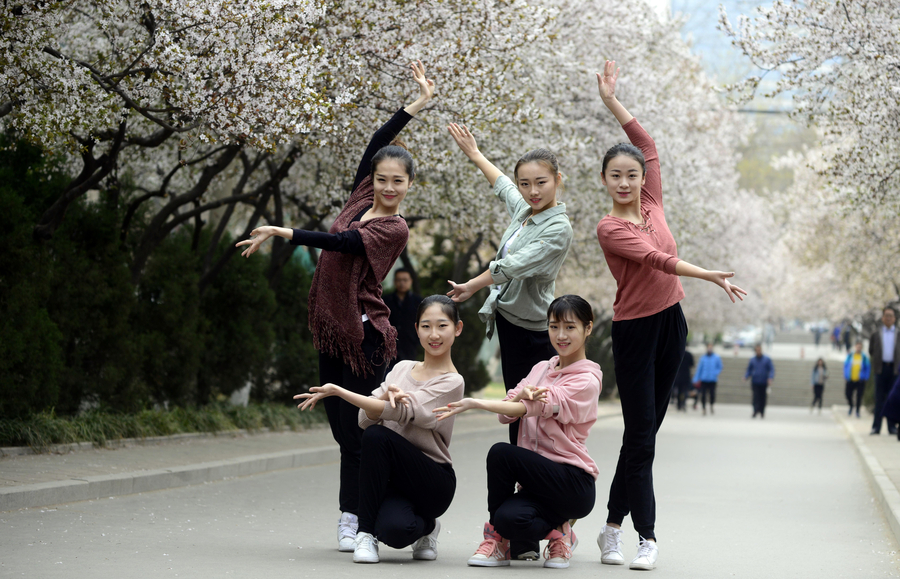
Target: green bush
(44,429)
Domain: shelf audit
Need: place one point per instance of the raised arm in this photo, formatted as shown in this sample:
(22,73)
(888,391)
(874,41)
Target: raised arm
(467,143)
(389,131)
(606,82)
(372,406)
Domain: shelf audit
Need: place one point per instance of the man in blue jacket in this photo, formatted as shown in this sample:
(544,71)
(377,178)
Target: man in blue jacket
(856,371)
(707,374)
(760,372)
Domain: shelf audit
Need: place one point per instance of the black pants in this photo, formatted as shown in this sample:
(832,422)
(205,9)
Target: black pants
(343,417)
(759,398)
(520,350)
(552,493)
(883,384)
(818,390)
(402,491)
(708,388)
(647,353)
(856,386)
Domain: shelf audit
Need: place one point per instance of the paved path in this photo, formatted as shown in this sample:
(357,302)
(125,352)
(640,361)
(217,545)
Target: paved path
(784,497)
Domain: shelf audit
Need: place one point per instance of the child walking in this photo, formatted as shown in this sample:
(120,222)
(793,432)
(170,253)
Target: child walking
(556,405)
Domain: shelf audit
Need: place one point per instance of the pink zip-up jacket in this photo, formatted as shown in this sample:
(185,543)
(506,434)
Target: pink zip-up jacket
(558,428)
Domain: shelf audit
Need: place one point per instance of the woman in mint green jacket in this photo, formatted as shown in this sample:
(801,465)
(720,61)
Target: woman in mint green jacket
(522,276)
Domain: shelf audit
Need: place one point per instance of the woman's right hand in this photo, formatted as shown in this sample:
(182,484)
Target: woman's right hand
(464,139)
(257,236)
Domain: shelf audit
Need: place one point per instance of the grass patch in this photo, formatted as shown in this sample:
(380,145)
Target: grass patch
(40,431)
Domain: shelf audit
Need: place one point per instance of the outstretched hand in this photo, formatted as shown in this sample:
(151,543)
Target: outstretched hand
(315,394)
(460,291)
(720,278)
(464,139)
(257,236)
(607,81)
(426,85)
(454,408)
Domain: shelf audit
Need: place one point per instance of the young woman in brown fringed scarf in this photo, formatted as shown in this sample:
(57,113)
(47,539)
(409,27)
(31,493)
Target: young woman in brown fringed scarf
(347,317)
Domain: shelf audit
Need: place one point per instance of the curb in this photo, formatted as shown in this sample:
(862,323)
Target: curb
(108,486)
(145,441)
(885,490)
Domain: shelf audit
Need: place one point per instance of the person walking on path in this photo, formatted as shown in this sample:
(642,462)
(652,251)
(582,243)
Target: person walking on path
(522,276)
(683,383)
(403,304)
(707,374)
(884,348)
(347,317)
(556,404)
(406,477)
(817,380)
(760,373)
(856,371)
(648,329)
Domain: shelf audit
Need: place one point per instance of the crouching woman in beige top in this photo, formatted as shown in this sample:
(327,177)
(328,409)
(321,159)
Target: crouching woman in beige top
(406,478)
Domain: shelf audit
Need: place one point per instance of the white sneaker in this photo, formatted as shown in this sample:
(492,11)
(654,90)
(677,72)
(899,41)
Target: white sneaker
(347,527)
(646,555)
(425,549)
(366,549)
(610,542)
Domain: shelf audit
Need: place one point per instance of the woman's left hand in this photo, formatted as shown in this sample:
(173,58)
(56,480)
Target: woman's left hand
(426,85)
(454,408)
(315,394)
(460,291)
(720,278)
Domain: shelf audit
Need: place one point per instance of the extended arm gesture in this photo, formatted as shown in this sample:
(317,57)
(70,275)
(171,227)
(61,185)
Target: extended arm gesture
(606,83)
(467,144)
(426,88)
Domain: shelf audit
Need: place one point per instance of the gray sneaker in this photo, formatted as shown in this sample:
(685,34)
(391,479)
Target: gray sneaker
(425,549)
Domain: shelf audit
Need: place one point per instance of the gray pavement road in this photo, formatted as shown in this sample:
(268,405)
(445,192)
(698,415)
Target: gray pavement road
(784,497)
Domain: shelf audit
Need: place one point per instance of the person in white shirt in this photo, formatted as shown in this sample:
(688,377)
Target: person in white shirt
(884,349)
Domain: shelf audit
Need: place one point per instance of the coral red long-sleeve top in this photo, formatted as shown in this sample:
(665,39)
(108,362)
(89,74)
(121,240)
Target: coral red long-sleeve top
(642,258)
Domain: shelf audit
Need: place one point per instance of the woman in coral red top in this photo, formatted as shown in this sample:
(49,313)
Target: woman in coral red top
(649,329)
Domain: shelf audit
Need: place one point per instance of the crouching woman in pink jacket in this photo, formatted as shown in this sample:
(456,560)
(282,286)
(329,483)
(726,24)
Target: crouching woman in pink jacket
(556,405)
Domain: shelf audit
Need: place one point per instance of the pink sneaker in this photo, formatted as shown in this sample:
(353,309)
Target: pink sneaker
(559,549)
(492,552)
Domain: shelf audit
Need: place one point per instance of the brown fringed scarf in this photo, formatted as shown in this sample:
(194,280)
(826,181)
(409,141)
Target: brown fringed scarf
(345,285)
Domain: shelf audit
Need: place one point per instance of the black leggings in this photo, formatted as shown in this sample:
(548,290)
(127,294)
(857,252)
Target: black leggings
(403,491)
(818,390)
(343,417)
(710,388)
(552,493)
(520,350)
(647,353)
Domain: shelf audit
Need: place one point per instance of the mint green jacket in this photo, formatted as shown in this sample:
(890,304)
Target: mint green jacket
(527,275)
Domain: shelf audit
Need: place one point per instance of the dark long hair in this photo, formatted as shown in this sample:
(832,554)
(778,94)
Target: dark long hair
(396,150)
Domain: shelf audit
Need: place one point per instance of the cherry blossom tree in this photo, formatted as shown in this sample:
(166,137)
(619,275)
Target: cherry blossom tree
(841,62)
